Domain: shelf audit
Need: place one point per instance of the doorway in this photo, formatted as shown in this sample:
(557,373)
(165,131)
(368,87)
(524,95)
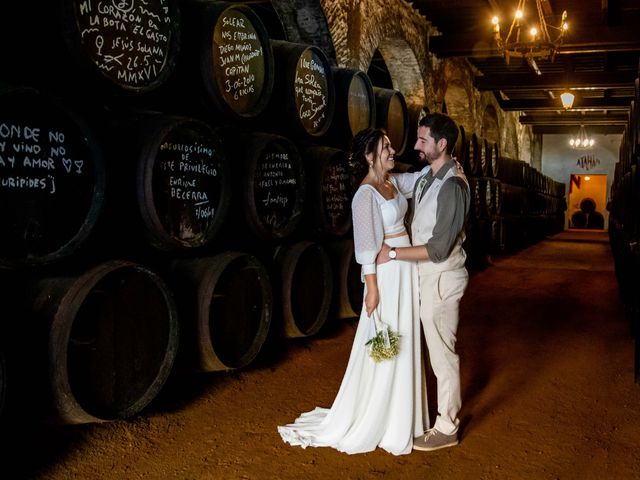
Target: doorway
(587,202)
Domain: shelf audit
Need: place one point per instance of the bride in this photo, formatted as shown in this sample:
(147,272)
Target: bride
(378,404)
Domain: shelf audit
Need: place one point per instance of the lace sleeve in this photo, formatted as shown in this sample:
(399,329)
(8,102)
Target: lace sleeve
(368,230)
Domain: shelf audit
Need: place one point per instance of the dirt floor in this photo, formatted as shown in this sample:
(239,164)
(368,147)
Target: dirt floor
(548,393)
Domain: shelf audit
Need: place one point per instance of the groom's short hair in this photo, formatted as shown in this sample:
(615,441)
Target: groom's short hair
(441,126)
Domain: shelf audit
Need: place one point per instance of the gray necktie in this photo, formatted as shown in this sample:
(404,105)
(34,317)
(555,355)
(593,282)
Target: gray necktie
(420,188)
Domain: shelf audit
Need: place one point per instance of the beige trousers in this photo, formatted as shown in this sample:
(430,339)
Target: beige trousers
(440,295)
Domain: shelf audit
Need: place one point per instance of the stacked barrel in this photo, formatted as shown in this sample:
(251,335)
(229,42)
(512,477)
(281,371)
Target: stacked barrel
(512,204)
(175,195)
(624,221)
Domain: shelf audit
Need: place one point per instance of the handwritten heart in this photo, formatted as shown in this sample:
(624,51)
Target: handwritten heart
(67,164)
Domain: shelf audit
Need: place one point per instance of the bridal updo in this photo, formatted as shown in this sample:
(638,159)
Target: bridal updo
(365,142)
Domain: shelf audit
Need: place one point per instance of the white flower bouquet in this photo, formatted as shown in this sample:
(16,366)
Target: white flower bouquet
(385,343)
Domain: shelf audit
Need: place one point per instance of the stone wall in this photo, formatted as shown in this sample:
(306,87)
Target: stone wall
(401,35)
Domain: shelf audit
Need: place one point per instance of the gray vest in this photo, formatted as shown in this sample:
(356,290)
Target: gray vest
(424,219)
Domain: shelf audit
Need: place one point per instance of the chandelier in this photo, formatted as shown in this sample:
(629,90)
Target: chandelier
(581,140)
(529,35)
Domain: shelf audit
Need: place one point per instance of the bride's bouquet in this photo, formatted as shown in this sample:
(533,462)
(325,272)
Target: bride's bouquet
(385,343)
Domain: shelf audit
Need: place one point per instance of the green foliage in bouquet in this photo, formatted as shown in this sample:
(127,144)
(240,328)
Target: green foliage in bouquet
(382,349)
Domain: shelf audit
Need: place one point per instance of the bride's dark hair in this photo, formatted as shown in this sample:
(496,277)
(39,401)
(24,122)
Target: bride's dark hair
(363,143)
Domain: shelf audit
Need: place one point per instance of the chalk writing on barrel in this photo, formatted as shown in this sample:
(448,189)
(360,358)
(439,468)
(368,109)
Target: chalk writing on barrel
(31,157)
(275,189)
(335,198)
(239,62)
(127,40)
(187,177)
(311,91)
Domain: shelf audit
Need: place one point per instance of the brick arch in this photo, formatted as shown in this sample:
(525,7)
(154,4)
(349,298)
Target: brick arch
(458,102)
(490,125)
(404,70)
(525,144)
(509,141)
(396,31)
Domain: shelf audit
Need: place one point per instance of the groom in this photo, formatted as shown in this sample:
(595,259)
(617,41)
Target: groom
(441,203)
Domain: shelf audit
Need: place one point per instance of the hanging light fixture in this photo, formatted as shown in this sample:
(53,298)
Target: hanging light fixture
(581,140)
(529,36)
(567,99)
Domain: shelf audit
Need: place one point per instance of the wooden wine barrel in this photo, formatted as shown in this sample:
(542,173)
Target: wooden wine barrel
(514,232)
(496,196)
(587,205)
(328,191)
(182,182)
(461,150)
(355,105)
(225,305)
(270,183)
(511,171)
(270,18)
(484,157)
(112,339)
(487,195)
(52,179)
(579,219)
(481,200)
(511,199)
(348,289)
(595,221)
(83,46)
(473,154)
(306,281)
(392,115)
(633,128)
(227,57)
(493,156)
(496,241)
(476,202)
(460,147)
(636,109)
(3,382)
(303,99)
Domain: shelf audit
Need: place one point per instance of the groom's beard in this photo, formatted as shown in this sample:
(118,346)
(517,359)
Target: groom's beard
(425,157)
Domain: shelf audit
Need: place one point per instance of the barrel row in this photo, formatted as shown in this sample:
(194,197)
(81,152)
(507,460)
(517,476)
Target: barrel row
(624,221)
(518,207)
(100,345)
(629,146)
(172,179)
(623,208)
(478,156)
(211,60)
(492,197)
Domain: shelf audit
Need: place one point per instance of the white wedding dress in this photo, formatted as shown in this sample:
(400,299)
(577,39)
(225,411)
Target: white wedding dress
(378,404)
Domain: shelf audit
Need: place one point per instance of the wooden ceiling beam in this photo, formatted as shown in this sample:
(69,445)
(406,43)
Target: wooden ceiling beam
(617,103)
(574,118)
(572,129)
(522,81)
(596,39)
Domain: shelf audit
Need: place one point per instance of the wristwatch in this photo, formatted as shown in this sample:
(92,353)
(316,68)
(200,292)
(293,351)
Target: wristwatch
(392,253)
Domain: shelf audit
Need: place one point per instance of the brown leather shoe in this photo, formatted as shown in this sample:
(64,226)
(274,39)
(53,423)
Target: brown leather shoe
(434,440)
